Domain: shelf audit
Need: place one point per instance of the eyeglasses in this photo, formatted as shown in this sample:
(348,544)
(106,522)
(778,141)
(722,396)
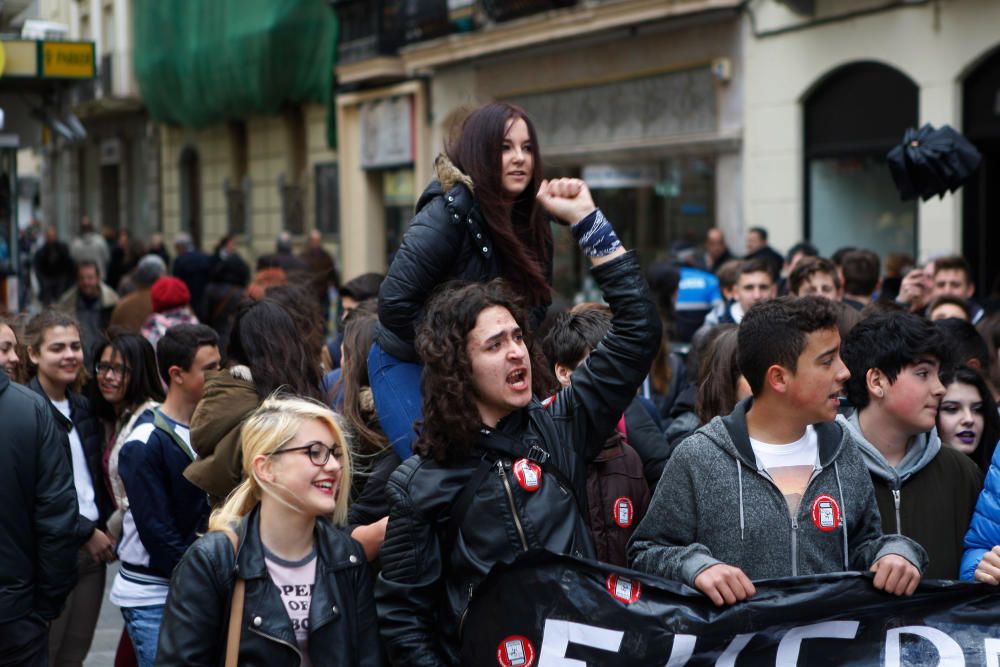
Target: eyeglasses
(319,453)
(116,370)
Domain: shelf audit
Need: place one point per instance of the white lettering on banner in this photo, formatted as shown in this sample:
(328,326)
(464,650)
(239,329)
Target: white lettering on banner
(558,635)
(948,650)
(728,657)
(992,649)
(788,648)
(681,650)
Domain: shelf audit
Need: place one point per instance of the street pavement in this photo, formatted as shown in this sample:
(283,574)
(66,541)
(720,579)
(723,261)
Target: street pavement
(109,629)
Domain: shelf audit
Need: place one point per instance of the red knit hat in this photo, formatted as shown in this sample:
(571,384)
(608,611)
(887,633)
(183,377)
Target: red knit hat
(169,292)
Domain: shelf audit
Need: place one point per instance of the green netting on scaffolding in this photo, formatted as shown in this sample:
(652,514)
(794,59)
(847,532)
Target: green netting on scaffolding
(203,62)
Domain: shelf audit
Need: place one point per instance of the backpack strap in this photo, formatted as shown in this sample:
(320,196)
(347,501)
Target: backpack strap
(161,422)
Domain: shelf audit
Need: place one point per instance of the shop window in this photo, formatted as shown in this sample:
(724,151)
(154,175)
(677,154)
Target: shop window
(651,205)
(327,199)
(852,119)
(398,198)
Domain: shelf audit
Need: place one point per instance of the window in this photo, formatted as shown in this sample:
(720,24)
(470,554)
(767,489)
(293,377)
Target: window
(852,120)
(327,199)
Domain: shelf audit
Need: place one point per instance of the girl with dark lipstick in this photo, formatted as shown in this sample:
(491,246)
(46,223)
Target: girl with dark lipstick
(477,220)
(967,419)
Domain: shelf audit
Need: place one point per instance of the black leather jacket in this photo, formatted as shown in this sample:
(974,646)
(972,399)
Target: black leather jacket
(425,586)
(343,629)
(448,239)
(38,543)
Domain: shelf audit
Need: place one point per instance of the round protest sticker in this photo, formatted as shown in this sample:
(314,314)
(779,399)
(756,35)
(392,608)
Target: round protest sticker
(826,513)
(515,651)
(528,474)
(623,589)
(624,512)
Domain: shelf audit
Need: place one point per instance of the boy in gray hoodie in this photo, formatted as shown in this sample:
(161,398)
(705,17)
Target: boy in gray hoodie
(777,488)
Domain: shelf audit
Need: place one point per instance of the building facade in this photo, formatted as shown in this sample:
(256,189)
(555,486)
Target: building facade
(642,99)
(112,174)
(832,86)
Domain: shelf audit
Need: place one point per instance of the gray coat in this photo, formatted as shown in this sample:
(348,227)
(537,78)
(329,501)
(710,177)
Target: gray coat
(715,505)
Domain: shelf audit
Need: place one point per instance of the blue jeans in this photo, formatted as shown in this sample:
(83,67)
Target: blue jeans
(396,388)
(143,625)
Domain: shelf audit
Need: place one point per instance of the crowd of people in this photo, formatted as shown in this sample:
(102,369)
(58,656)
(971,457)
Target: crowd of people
(277,494)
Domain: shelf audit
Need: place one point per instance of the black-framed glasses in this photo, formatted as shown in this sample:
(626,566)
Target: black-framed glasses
(116,370)
(318,453)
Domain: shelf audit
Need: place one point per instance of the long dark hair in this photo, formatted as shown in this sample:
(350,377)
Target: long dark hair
(359,332)
(265,339)
(718,374)
(451,418)
(991,420)
(521,234)
(307,314)
(143,381)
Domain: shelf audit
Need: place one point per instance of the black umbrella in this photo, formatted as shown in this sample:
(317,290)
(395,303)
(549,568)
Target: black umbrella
(931,162)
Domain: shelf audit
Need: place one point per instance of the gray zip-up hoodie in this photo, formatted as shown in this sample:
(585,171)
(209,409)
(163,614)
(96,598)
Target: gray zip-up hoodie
(921,451)
(715,504)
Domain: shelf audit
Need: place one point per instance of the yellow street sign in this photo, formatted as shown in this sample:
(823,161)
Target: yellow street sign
(67,60)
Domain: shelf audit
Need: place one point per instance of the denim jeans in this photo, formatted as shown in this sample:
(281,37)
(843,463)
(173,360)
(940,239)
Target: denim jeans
(396,388)
(143,625)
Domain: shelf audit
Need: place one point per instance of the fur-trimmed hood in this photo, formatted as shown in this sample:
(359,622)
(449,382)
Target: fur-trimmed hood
(448,175)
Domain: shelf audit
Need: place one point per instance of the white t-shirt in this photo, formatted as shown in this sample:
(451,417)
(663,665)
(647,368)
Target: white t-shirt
(81,473)
(791,465)
(295,582)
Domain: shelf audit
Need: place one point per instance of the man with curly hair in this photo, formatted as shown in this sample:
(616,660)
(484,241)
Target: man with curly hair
(496,472)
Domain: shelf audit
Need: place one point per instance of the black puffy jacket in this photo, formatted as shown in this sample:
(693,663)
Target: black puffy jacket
(38,542)
(448,239)
(91,434)
(343,629)
(425,584)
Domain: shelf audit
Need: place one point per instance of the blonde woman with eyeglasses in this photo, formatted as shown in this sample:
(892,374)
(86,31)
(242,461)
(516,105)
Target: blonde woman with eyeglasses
(308,588)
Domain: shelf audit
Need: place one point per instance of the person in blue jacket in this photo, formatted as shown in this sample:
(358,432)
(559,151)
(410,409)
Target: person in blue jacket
(981,560)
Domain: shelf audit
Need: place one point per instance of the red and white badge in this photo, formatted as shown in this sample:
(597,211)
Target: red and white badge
(623,589)
(515,651)
(624,512)
(826,513)
(528,474)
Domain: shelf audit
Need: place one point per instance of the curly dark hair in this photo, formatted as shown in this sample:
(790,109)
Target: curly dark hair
(451,418)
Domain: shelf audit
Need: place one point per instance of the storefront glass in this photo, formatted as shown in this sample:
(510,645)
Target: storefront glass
(650,204)
(853,202)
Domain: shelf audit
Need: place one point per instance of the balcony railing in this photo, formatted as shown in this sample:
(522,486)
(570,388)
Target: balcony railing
(504,10)
(371,28)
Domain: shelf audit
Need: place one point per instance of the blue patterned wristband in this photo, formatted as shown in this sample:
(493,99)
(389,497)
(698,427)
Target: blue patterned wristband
(595,235)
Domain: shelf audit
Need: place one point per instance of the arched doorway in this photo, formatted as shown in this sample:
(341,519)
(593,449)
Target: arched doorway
(852,118)
(190,192)
(981,196)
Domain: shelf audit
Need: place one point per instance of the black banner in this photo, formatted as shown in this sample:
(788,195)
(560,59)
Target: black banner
(554,611)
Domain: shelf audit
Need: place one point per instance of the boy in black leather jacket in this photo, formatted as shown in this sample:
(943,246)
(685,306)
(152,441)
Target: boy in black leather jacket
(496,473)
